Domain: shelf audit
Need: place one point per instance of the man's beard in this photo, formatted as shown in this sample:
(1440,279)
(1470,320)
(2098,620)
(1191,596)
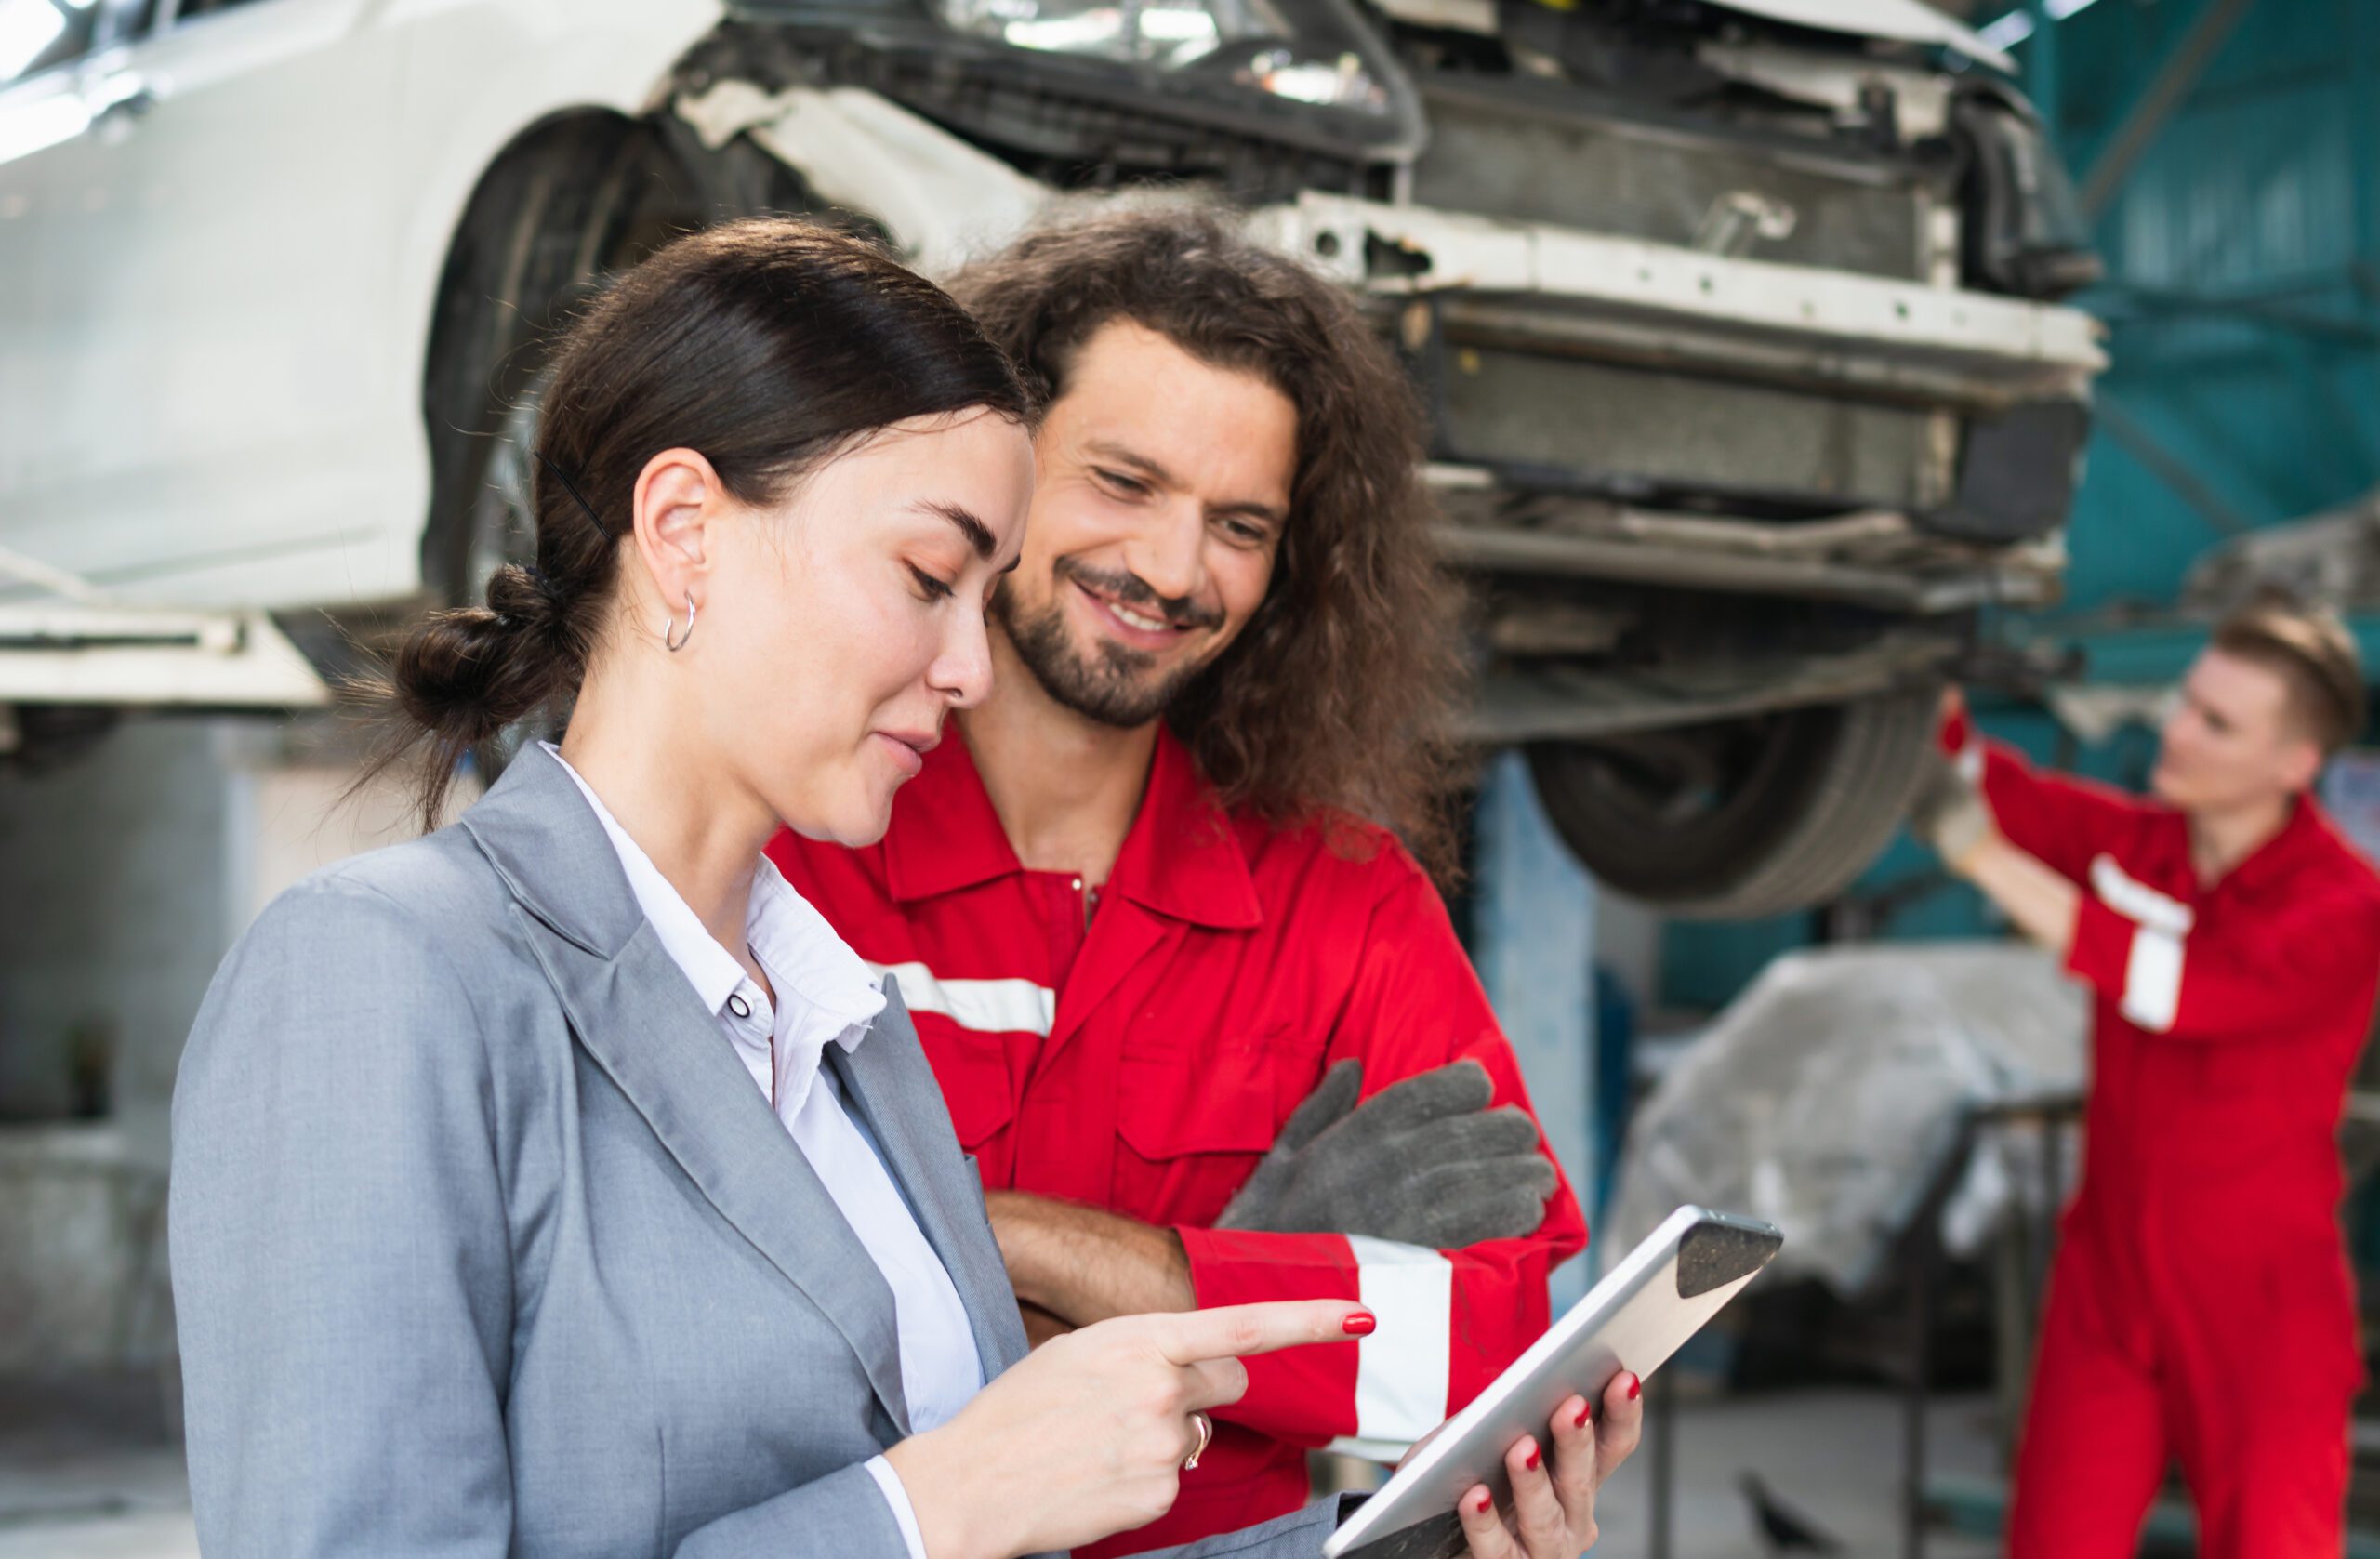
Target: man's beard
(1111,688)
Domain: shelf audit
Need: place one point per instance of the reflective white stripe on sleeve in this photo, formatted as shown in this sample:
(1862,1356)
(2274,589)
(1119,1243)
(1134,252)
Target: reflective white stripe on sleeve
(1401,1368)
(986,1006)
(2137,901)
(2153,978)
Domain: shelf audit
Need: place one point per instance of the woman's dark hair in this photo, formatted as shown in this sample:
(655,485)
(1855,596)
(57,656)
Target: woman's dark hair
(768,345)
(1335,699)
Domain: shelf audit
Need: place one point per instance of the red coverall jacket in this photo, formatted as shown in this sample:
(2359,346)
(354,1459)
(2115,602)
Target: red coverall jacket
(2201,1304)
(1145,1064)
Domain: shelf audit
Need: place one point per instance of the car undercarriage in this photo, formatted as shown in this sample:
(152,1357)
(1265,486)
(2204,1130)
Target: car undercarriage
(1747,387)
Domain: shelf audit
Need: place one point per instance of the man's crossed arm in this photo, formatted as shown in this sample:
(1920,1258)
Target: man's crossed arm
(1426,1163)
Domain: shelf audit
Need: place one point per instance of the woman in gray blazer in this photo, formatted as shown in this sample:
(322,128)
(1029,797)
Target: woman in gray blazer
(558,1185)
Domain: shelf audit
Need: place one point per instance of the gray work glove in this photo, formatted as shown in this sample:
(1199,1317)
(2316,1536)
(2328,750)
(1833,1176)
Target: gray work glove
(1949,812)
(1424,1163)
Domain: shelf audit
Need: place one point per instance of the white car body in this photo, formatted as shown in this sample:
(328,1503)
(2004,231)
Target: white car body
(1741,414)
(220,247)
(223,243)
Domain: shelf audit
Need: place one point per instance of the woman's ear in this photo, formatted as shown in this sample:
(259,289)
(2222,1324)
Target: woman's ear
(679,500)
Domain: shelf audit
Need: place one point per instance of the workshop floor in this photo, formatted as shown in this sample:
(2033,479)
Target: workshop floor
(71,1490)
(73,1494)
(1835,1457)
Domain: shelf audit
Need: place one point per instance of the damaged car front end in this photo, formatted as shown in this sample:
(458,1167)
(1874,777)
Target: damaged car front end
(1749,383)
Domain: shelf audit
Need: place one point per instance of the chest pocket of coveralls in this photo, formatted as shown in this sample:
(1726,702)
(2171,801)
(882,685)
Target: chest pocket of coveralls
(973,1071)
(1195,1117)
(2269,1063)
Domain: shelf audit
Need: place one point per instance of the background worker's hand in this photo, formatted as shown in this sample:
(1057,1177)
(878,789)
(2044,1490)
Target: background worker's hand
(1948,812)
(1086,1435)
(1426,1162)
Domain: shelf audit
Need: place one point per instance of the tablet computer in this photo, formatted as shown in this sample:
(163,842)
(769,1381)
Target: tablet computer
(1639,1314)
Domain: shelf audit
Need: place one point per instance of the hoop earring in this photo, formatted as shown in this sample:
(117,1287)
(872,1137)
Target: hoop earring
(678,643)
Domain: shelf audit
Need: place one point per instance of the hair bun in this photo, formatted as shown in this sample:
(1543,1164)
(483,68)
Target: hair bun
(465,675)
(522,598)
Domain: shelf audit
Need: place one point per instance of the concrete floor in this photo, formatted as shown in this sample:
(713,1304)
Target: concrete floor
(71,1491)
(1835,1455)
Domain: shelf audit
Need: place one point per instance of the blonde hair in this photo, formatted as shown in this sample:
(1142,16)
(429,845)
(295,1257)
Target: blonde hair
(2315,655)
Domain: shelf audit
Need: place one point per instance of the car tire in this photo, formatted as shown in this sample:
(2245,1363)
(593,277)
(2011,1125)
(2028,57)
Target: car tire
(549,222)
(1742,818)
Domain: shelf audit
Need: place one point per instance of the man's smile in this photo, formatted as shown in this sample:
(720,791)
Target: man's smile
(1139,625)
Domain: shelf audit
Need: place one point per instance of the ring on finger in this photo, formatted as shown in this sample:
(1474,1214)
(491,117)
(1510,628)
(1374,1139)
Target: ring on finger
(1206,1428)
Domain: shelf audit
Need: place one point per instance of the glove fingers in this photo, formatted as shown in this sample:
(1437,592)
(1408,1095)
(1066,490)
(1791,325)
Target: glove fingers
(1329,1103)
(1946,806)
(1480,1177)
(1499,1200)
(1452,1222)
(1443,1205)
(1509,1215)
(1458,1139)
(1458,1087)
(1499,1133)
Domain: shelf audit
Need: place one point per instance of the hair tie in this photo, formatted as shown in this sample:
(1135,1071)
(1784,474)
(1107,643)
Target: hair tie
(572,488)
(549,602)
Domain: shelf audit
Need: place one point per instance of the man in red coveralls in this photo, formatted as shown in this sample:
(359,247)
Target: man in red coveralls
(1143,902)
(2201,1304)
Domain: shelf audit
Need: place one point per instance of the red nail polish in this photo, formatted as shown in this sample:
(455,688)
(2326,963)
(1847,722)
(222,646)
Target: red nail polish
(1533,1460)
(1481,1505)
(1584,1414)
(1635,1387)
(1360,1324)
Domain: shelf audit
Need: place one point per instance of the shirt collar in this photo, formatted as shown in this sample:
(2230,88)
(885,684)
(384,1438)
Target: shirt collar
(800,951)
(1181,857)
(2306,831)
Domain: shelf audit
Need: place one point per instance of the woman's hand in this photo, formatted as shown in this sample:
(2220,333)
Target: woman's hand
(1553,1507)
(1086,1436)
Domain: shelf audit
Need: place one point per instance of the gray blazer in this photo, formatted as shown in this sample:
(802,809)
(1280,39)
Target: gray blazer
(484,1243)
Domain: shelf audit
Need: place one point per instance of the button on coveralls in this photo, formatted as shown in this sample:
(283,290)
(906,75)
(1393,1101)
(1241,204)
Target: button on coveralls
(1143,1058)
(2201,1304)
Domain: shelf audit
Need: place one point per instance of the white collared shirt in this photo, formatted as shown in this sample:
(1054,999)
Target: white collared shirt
(825,996)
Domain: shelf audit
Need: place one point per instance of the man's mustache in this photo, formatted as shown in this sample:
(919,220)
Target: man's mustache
(1135,591)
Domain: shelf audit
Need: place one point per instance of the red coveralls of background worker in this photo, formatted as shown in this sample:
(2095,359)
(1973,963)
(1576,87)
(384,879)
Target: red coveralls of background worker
(1129,898)
(2200,1306)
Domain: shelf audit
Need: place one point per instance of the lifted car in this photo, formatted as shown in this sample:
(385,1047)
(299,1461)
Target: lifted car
(1736,321)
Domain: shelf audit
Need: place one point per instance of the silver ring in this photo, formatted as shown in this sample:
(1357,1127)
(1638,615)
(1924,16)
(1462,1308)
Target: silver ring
(668,628)
(1206,1437)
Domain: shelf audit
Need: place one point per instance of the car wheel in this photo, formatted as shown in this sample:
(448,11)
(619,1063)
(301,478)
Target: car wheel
(551,221)
(1741,818)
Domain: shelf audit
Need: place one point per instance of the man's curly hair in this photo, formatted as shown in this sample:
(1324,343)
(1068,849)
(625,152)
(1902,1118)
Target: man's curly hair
(1335,699)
